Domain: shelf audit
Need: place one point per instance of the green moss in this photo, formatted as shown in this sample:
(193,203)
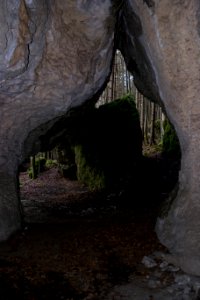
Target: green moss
(170,146)
(51,163)
(90,175)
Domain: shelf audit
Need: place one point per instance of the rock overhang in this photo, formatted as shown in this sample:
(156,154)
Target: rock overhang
(55,56)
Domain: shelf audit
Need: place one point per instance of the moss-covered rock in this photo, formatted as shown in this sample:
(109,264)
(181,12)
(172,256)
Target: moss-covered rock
(93,176)
(170,145)
(108,144)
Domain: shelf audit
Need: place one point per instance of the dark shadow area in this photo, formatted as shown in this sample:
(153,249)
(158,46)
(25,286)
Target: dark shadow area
(81,238)
(80,244)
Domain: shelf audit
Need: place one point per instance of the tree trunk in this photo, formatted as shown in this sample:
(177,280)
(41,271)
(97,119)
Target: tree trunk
(33,167)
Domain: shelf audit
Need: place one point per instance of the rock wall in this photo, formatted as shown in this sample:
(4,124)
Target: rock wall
(162,40)
(54,55)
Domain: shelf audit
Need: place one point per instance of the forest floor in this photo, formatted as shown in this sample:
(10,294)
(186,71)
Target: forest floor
(77,244)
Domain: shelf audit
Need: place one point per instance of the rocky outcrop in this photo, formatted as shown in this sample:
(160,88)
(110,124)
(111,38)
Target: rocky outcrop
(54,55)
(160,43)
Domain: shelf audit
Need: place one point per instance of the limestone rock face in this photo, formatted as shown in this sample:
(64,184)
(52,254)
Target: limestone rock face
(54,55)
(162,48)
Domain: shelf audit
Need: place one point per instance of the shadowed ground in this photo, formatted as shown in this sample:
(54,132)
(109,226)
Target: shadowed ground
(76,244)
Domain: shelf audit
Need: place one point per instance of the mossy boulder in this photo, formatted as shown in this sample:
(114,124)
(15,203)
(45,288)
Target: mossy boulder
(108,144)
(88,173)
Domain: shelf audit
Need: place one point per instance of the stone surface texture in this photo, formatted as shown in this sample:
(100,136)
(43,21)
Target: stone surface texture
(163,281)
(55,55)
(162,40)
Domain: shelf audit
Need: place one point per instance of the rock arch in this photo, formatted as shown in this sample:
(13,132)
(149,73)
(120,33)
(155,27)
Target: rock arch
(56,55)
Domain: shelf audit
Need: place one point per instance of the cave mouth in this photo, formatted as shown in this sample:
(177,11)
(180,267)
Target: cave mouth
(77,243)
(88,241)
(156,160)
(57,197)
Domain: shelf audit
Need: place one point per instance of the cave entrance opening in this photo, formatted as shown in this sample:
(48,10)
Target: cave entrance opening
(134,157)
(128,132)
(78,240)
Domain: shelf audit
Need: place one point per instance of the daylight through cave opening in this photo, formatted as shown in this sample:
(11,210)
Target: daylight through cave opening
(131,149)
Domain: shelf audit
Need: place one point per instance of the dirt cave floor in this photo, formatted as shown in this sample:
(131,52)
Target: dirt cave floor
(77,244)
